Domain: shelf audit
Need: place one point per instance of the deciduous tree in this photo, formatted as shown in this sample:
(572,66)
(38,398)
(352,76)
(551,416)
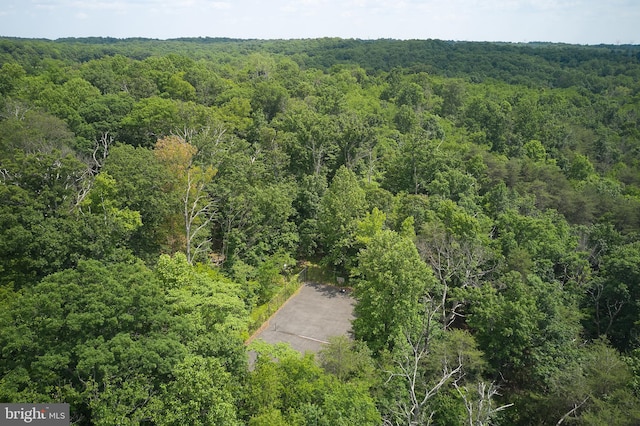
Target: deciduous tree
(392,280)
(340,208)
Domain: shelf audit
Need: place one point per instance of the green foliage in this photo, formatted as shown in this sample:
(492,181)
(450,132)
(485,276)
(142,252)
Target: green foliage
(347,359)
(581,168)
(101,201)
(391,282)
(593,390)
(141,184)
(370,225)
(85,329)
(150,119)
(264,227)
(528,330)
(510,171)
(270,274)
(543,242)
(535,150)
(112,339)
(340,208)
(212,301)
(615,296)
(298,387)
(11,74)
(429,375)
(200,394)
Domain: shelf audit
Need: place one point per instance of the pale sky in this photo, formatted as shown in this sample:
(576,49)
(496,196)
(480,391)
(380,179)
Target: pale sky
(568,21)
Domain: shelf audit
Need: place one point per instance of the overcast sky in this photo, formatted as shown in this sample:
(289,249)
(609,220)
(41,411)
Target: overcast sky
(569,21)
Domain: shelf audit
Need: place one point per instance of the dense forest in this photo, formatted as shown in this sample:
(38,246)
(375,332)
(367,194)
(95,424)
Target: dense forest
(481,199)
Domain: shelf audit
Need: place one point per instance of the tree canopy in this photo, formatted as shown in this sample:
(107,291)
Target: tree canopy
(481,199)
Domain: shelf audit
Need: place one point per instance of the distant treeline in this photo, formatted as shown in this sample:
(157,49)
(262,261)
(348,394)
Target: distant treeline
(535,63)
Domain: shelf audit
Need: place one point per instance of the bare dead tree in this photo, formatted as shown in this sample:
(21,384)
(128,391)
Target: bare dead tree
(199,211)
(413,410)
(606,309)
(318,153)
(212,144)
(454,262)
(5,175)
(208,139)
(94,164)
(15,109)
(185,133)
(370,155)
(479,402)
(257,151)
(101,150)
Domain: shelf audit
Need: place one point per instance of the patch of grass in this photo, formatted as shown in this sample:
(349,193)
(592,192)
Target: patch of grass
(321,274)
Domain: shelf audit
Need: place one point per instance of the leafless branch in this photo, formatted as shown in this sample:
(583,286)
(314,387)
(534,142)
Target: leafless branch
(572,411)
(198,214)
(101,150)
(409,369)
(480,410)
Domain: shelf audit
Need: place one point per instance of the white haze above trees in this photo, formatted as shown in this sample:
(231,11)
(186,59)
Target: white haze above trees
(579,22)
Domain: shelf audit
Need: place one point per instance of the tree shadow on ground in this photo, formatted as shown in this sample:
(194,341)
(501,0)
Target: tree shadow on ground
(330,291)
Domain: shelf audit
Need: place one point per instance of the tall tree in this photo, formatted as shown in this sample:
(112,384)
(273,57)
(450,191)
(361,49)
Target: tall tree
(310,145)
(392,282)
(141,185)
(190,183)
(341,206)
